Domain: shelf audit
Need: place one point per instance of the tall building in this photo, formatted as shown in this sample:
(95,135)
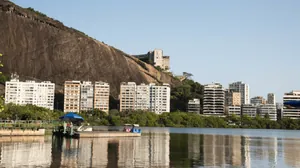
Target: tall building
(86,96)
(160,98)
(30,92)
(194,106)
(142,97)
(145,97)
(249,109)
(72,96)
(258,100)
(271,99)
(101,96)
(291,105)
(243,89)
(214,99)
(269,109)
(127,96)
(233,98)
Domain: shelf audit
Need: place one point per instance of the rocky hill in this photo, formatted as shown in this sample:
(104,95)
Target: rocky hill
(38,47)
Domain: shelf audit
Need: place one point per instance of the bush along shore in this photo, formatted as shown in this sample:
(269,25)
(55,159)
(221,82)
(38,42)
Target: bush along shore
(31,113)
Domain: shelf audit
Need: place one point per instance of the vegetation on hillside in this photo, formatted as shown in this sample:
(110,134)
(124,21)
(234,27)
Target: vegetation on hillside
(37,12)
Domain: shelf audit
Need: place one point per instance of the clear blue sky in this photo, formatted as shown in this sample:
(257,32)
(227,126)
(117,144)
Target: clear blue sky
(255,41)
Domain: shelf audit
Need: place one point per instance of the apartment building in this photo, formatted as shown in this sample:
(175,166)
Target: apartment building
(271,99)
(243,89)
(233,98)
(291,105)
(30,92)
(86,96)
(269,109)
(101,96)
(160,98)
(194,106)
(72,96)
(127,96)
(236,110)
(145,97)
(142,97)
(249,110)
(258,100)
(214,99)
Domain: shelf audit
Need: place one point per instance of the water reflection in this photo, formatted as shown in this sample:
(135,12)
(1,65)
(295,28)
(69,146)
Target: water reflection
(161,149)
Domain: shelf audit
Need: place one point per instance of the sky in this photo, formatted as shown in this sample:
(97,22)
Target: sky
(257,42)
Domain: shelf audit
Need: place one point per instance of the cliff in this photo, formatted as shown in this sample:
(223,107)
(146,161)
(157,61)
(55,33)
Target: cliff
(41,48)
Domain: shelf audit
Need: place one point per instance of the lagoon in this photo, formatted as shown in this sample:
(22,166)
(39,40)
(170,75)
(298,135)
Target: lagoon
(158,147)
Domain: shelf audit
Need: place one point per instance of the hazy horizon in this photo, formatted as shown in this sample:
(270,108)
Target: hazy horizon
(217,41)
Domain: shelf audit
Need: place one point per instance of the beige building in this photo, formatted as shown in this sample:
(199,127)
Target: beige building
(101,96)
(233,98)
(72,96)
(258,100)
(243,89)
(127,96)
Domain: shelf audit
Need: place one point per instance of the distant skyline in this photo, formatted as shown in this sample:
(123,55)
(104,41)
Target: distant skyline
(255,41)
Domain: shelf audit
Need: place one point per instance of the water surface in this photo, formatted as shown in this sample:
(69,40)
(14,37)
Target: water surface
(158,147)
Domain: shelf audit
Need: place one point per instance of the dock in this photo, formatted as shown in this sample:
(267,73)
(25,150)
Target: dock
(107,134)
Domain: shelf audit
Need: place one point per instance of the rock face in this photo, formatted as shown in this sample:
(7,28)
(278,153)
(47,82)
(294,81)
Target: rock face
(37,47)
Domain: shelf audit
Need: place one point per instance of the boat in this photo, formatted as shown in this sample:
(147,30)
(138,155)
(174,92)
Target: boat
(133,128)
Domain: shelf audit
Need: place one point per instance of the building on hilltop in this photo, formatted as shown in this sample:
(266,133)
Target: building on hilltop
(243,89)
(269,109)
(145,97)
(156,58)
(72,96)
(86,96)
(194,106)
(291,105)
(258,100)
(101,96)
(214,99)
(271,99)
(29,92)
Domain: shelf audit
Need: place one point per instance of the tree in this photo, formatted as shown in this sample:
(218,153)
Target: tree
(1,98)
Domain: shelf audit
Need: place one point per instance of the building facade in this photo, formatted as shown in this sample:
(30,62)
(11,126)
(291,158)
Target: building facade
(258,100)
(249,110)
(86,96)
(214,99)
(236,110)
(72,96)
(127,96)
(194,106)
(160,98)
(142,97)
(243,89)
(291,105)
(269,109)
(271,99)
(30,92)
(101,96)
(233,98)
(145,97)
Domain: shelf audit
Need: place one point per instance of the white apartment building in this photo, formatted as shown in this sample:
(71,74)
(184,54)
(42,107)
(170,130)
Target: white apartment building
(194,106)
(86,96)
(145,97)
(271,99)
(214,99)
(142,97)
(127,96)
(101,96)
(291,105)
(72,96)
(236,110)
(160,98)
(249,110)
(243,89)
(30,92)
(269,109)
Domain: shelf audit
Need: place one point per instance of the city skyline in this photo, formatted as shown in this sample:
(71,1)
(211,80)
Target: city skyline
(253,38)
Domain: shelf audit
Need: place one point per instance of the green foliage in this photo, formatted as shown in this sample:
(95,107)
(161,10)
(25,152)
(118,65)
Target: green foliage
(37,12)
(182,94)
